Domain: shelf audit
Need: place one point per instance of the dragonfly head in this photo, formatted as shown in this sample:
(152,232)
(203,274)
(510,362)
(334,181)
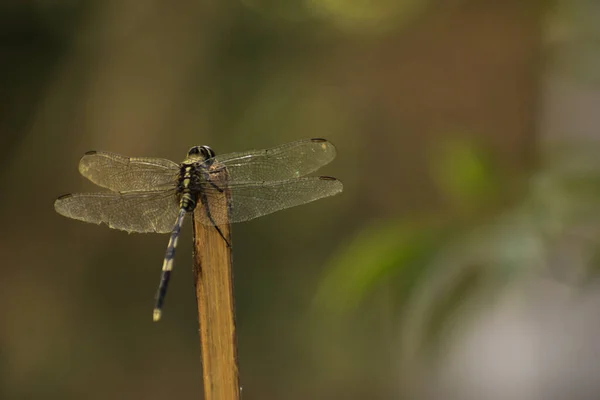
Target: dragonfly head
(200,153)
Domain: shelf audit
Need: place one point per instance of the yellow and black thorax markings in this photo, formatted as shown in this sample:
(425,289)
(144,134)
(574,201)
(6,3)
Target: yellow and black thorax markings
(188,182)
(192,174)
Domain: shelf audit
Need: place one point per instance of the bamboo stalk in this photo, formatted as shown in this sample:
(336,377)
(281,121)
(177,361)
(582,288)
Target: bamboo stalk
(216,306)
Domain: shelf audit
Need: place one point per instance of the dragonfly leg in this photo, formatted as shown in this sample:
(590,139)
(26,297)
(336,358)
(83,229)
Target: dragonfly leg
(213,184)
(210,218)
(223,236)
(216,170)
(167,266)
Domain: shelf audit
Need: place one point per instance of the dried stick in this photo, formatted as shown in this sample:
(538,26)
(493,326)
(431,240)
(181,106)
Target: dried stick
(216,307)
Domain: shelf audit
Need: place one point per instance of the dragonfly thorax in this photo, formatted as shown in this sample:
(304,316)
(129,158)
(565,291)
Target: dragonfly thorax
(189,185)
(191,175)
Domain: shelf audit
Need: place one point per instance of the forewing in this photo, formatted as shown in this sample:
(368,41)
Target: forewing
(249,201)
(291,160)
(150,211)
(122,174)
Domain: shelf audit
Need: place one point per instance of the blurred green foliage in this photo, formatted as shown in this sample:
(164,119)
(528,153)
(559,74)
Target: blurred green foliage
(378,253)
(438,265)
(464,173)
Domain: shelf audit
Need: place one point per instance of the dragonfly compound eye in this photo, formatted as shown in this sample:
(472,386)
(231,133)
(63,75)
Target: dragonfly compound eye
(207,152)
(194,151)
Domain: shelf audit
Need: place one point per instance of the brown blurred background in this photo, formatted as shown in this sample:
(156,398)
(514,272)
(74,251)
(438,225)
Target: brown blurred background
(459,263)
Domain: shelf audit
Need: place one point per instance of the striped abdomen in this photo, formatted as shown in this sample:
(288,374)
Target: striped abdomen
(188,197)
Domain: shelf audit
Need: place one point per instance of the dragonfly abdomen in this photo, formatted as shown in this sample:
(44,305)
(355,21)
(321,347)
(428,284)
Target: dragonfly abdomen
(167,266)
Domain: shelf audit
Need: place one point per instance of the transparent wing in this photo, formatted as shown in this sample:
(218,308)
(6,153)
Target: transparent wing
(249,201)
(291,160)
(151,211)
(121,174)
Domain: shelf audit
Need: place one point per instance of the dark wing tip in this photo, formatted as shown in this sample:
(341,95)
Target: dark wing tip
(89,153)
(64,196)
(325,145)
(334,186)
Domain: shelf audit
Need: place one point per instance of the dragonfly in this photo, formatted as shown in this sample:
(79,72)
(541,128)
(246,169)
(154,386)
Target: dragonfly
(155,194)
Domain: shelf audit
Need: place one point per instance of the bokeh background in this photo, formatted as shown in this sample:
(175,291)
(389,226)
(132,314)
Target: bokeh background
(459,263)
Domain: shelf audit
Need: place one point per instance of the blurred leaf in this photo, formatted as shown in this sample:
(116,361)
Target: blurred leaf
(462,172)
(362,15)
(372,256)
